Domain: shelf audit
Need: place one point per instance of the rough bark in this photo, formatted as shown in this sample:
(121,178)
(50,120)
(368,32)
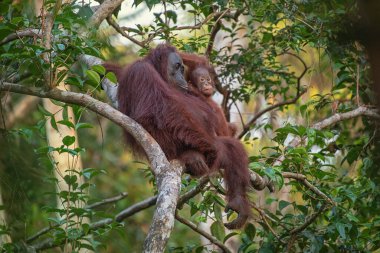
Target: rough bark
(169,184)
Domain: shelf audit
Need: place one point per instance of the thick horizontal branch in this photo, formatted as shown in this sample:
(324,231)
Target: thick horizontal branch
(338,117)
(260,183)
(203,233)
(153,150)
(335,119)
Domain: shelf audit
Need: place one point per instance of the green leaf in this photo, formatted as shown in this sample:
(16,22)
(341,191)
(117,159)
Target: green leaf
(99,69)
(83,125)
(199,249)
(250,231)
(112,77)
(341,229)
(151,3)
(75,81)
(61,47)
(217,230)
(282,204)
(74,233)
(172,15)
(44,111)
(68,140)
(58,221)
(218,212)
(70,180)
(66,123)
(267,37)
(229,236)
(93,77)
(353,154)
(352,217)
(65,114)
(53,123)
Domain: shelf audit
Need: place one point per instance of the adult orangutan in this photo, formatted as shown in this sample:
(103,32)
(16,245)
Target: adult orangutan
(201,76)
(152,91)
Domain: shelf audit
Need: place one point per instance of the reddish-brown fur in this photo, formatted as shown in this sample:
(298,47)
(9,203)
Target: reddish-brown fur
(192,63)
(184,127)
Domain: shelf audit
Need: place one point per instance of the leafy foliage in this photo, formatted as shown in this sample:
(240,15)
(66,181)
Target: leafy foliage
(270,51)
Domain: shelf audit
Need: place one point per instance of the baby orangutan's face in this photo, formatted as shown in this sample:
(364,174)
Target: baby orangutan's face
(204,82)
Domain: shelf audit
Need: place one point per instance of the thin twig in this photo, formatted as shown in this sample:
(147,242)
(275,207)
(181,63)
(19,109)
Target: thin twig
(112,23)
(357,84)
(214,31)
(302,178)
(308,221)
(202,182)
(263,217)
(209,237)
(103,202)
(247,126)
(303,72)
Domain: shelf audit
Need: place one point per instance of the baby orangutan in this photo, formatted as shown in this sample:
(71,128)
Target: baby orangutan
(201,80)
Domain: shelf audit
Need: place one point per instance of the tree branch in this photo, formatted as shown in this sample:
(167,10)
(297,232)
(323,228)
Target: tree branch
(209,237)
(247,126)
(302,178)
(163,219)
(310,220)
(128,124)
(104,10)
(103,202)
(133,209)
(217,26)
(21,34)
(263,216)
(116,26)
(336,118)
(260,183)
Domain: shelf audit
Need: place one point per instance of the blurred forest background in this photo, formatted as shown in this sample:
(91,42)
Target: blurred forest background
(294,76)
